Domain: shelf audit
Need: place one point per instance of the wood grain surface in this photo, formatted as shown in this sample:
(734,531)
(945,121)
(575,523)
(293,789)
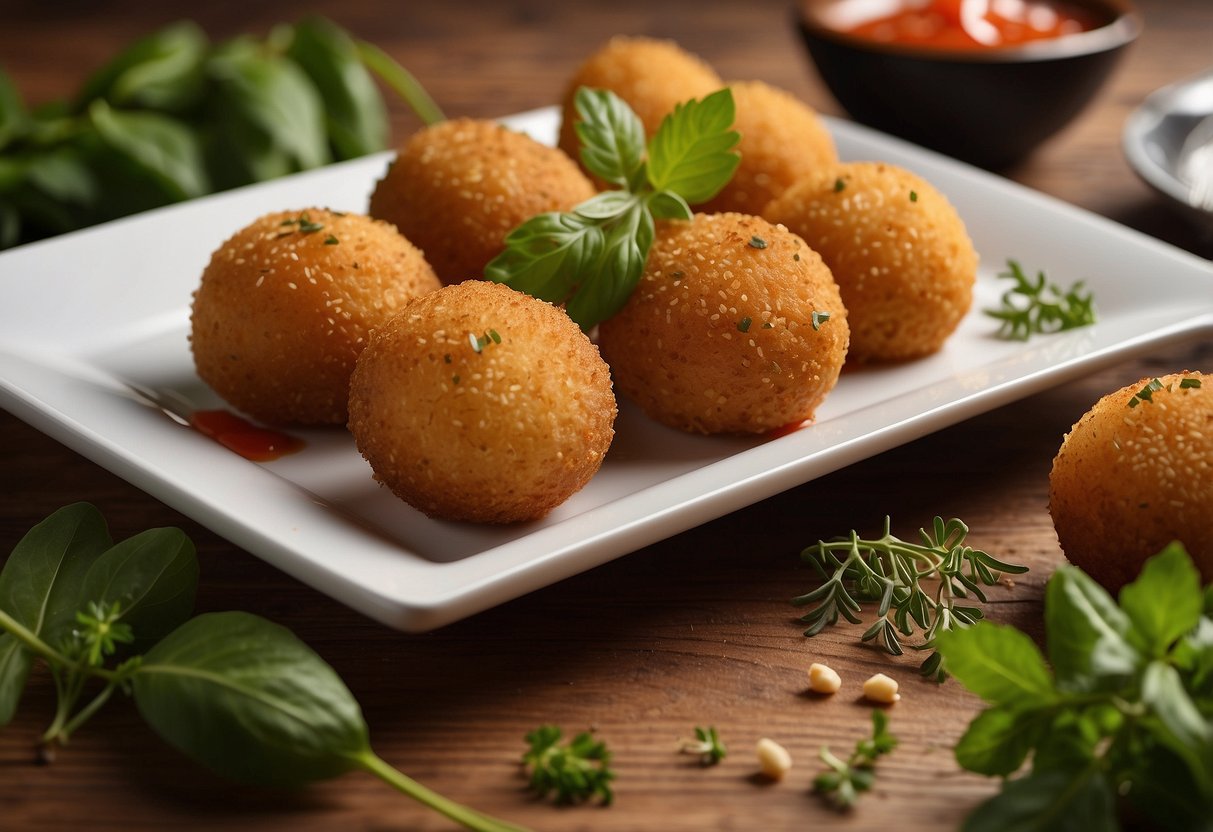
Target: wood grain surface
(694,630)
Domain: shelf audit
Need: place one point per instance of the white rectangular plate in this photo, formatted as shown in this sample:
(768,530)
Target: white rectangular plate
(88,315)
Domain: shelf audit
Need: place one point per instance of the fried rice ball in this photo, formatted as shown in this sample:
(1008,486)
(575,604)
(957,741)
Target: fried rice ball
(650,75)
(288,302)
(481,403)
(1134,474)
(897,248)
(736,327)
(782,140)
(459,187)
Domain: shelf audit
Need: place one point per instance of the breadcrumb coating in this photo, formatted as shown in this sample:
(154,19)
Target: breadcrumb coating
(287,304)
(458,188)
(1129,480)
(736,327)
(481,403)
(898,249)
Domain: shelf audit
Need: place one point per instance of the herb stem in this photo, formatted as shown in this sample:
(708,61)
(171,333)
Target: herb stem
(402,82)
(469,818)
(41,648)
(82,716)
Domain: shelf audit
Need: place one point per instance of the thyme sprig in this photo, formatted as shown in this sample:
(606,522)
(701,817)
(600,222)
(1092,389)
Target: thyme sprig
(1035,306)
(910,583)
(844,780)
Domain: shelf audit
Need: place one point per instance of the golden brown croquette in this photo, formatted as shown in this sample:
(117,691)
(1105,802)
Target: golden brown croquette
(650,75)
(481,403)
(459,187)
(1128,480)
(897,248)
(736,327)
(782,140)
(286,305)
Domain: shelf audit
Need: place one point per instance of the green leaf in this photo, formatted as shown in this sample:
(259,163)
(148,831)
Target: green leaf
(692,152)
(1088,635)
(1056,801)
(40,588)
(1000,664)
(667,205)
(1166,600)
(153,576)
(161,72)
(998,741)
(612,136)
(607,287)
(13,116)
(353,109)
(1163,691)
(547,255)
(250,701)
(401,81)
(160,145)
(271,95)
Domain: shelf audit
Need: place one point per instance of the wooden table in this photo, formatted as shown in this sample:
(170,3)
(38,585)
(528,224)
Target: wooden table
(696,629)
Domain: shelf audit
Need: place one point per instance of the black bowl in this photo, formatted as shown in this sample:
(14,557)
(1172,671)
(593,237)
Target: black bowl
(990,107)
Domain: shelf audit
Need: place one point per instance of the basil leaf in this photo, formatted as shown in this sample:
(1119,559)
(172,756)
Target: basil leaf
(353,109)
(40,588)
(271,95)
(1055,801)
(612,136)
(998,741)
(667,205)
(1000,664)
(162,71)
(154,576)
(13,117)
(157,144)
(606,289)
(1088,635)
(250,701)
(1163,691)
(546,255)
(692,152)
(1166,600)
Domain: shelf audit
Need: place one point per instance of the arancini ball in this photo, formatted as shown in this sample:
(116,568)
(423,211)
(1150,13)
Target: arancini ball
(288,302)
(458,188)
(481,403)
(898,249)
(736,326)
(1135,473)
(782,140)
(650,75)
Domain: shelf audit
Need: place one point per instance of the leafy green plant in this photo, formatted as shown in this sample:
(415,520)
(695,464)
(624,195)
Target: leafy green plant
(239,694)
(173,117)
(707,745)
(910,583)
(844,780)
(1038,306)
(576,770)
(592,257)
(1123,715)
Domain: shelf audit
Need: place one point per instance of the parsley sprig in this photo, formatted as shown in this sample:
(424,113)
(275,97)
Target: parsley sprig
(707,745)
(591,258)
(577,770)
(1120,715)
(843,782)
(911,584)
(1036,306)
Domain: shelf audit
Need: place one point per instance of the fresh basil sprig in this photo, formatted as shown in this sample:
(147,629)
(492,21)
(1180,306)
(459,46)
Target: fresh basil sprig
(1125,712)
(173,117)
(240,695)
(591,258)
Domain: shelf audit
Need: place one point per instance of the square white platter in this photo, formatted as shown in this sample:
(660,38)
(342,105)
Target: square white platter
(90,315)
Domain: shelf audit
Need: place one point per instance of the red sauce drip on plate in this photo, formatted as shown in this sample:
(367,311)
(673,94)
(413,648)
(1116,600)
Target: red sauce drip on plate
(239,435)
(791,427)
(976,24)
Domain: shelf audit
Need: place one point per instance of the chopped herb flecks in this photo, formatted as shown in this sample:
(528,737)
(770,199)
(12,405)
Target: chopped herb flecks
(1146,394)
(1188,383)
(819,318)
(744,325)
(768,325)
(330,240)
(839,184)
(757,242)
(913,196)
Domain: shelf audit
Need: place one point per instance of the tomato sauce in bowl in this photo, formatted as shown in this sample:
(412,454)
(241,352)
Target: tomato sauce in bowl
(969,24)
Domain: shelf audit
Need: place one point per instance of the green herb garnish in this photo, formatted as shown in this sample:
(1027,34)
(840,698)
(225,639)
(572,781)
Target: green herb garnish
(839,185)
(330,240)
(1119,717)
(757,242)
(744,325)
(1189,383)
(240,695)
(577,770)
(913,196)
(707,745)
(1037,306)
(845,780)
(818,318)
(910,583)
(592,257)
(1146,394)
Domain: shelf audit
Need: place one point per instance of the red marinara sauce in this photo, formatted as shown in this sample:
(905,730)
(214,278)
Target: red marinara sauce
(971,24)
(239,435)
